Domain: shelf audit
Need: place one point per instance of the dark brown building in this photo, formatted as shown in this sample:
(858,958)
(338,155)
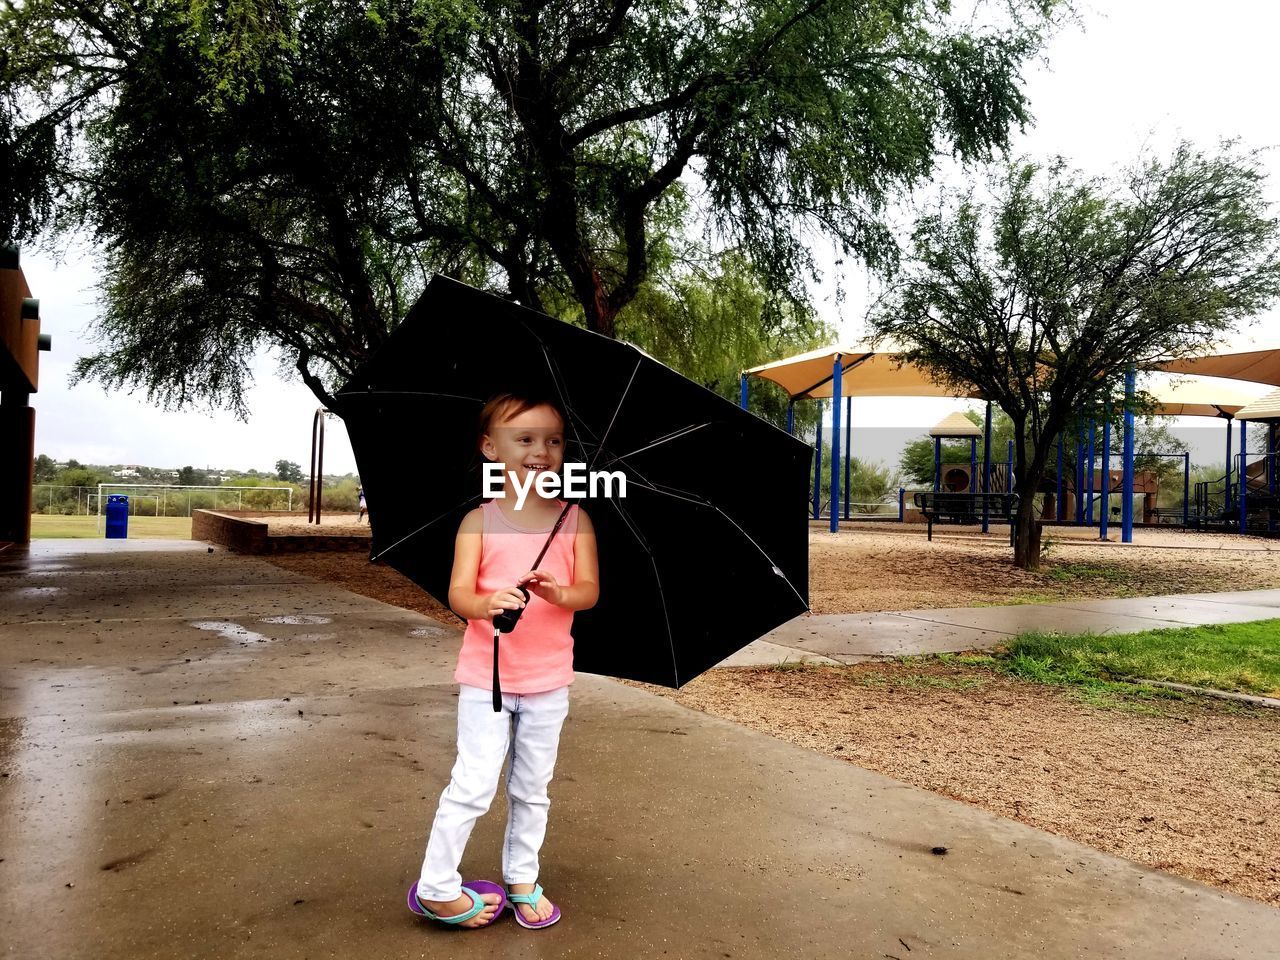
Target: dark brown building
(20,343)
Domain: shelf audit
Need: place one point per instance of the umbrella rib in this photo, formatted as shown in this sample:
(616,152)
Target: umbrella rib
(616,410)
(557,378)
(657,579)
(675,435)
(703,502)
(382,553)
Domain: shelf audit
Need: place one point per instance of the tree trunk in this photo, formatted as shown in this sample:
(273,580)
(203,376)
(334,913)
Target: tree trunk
(1026,531)
(1026,537)
(599,312)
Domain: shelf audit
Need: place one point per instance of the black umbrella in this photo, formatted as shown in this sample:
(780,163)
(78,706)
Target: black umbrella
(707,551)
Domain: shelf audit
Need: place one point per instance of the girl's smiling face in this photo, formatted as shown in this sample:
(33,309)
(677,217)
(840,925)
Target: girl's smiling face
(526,444)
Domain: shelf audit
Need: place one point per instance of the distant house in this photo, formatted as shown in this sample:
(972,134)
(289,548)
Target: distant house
(125,473)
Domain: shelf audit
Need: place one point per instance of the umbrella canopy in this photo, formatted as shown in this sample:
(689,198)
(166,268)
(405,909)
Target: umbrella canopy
(707,551)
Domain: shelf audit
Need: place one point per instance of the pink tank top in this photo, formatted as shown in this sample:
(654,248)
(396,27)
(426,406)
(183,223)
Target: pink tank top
(537,655)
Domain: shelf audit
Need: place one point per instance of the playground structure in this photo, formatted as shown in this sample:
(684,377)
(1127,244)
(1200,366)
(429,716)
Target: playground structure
(1245,499)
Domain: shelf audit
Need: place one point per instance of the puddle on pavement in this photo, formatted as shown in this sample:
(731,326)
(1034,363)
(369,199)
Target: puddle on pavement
(36,592)
(302,619)
(230,631)
(429,632)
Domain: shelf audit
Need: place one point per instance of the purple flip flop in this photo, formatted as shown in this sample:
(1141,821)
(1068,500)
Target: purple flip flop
(531,899)
(477,889)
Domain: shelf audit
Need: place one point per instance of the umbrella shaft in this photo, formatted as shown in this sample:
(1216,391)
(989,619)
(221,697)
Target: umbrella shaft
(497,687)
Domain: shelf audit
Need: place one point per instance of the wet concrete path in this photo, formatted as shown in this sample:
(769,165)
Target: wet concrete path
(851,637)
(207,756)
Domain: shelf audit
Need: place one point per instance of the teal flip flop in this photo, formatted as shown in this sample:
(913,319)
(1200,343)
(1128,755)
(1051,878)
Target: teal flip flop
(473,889)
(532,899)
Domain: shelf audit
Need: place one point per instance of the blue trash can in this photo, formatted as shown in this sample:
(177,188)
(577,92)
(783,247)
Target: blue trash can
(117,517)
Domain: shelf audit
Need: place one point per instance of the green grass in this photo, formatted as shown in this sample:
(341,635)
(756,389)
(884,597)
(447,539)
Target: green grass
(1243,657)
(54,526)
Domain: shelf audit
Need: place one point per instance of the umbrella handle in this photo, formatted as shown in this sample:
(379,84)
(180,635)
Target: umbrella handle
(497,687)
(506,621)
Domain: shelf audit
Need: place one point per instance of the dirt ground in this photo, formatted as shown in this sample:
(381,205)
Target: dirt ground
(1192,787)
(862,570)
(1189,786)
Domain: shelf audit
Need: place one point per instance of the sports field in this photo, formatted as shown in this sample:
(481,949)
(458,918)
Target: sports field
(54,526)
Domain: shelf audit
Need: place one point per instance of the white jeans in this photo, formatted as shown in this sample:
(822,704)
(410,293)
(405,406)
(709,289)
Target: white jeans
(530,725)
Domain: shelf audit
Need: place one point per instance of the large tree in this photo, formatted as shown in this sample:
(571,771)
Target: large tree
(287,172)
(1043,296)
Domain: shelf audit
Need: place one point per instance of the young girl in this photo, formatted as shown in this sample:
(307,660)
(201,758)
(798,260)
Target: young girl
(495,546)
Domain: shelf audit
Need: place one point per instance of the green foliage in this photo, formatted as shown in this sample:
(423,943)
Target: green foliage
(1041,298)
(288,471)
(78,476)
(711,326)
(191,477)
(870,483)
(45,470)
(288,172)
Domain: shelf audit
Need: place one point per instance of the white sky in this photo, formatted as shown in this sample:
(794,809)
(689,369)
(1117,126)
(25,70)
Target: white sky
(1138,73)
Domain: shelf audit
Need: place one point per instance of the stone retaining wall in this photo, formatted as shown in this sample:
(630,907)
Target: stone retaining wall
(245,531)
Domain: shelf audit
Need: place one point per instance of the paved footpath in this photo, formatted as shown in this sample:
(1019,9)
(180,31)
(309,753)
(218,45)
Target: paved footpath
(851,637)
(205,756)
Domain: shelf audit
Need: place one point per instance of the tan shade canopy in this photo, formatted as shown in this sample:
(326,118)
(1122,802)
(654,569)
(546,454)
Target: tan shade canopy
(868,372)
(1264,408)
(1258,365)
(955,425)
(1192,397)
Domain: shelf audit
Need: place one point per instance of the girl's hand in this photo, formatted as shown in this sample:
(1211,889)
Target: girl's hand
(544,585)
(508,598)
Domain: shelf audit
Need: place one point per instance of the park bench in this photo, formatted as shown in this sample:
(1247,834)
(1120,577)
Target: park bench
(1165,516)
(966,508)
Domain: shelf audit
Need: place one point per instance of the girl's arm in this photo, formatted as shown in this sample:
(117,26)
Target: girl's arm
(463,599)
(583,593)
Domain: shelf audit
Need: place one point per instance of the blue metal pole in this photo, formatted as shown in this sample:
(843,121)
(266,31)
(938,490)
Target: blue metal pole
(1058,491)
(837,371)
(902,504)
(817,466)
(1227,486)
(848,452)
(1244,476)
(1126,508)
(1272,455)
(1091,456)
(791,417)
(1104,514)
(937,463)
(742,392)
(1186,489)
(1079,491)
(986,469)
(973,464)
